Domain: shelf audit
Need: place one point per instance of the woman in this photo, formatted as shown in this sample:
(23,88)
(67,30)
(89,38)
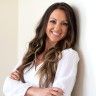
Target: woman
(50,65)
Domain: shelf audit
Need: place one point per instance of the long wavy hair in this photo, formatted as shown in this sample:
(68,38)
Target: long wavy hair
(52,56)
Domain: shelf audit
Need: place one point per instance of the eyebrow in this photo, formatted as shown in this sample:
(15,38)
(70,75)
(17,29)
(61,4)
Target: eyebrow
(56,19)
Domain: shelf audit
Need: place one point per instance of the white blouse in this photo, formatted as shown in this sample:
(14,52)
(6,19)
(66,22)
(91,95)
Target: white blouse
(65,76)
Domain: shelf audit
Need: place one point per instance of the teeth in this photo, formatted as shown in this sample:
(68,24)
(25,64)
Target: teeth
(55,33)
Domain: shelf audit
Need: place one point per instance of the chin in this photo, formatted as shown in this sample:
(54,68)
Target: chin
(54,41)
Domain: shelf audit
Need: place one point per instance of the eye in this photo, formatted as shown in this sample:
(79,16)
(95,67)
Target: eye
(52,21)
(65,23)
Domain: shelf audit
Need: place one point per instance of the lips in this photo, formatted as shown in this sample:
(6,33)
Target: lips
(55,33)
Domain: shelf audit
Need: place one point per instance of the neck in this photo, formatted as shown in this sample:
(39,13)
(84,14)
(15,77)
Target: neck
(49,44)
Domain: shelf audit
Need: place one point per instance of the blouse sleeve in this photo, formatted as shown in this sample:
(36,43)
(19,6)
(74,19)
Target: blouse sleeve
(66,71)
(15,88)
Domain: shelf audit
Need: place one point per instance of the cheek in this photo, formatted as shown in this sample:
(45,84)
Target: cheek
(64,32)
(48,28)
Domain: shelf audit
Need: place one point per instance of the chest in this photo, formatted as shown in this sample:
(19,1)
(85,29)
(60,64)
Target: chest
(31,75)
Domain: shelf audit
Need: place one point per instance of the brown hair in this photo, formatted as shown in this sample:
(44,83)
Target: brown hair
(37,45)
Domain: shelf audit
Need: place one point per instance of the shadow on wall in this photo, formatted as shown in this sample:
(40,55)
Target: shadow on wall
(78,88)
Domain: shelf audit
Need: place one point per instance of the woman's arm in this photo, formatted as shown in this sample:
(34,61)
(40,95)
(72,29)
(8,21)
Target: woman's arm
(66,71)
(15,88)
(30,90)
(34,91)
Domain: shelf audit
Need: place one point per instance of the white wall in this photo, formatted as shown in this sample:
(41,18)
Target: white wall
(8,37)
(86,80)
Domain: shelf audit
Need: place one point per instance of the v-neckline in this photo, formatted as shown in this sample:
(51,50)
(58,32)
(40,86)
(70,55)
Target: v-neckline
(37,66)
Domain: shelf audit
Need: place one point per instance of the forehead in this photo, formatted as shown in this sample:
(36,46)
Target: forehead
(58,14)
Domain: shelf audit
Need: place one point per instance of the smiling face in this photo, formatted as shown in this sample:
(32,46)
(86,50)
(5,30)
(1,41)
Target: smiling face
(57,26)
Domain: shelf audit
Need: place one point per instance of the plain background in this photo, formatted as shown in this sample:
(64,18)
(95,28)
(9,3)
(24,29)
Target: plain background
(8,38)
(18,19)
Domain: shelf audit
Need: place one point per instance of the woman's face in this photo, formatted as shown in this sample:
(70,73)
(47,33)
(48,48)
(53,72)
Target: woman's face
(57,26)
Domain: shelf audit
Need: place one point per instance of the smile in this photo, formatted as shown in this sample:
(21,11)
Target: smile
(55,33)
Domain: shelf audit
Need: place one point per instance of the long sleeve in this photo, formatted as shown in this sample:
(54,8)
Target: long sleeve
(66,71)
(14,88)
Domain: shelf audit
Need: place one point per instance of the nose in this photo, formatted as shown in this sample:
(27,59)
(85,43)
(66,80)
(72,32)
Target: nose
(57,27)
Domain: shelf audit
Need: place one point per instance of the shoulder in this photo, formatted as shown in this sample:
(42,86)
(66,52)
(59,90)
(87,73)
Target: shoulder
(69,60)
(71,53)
